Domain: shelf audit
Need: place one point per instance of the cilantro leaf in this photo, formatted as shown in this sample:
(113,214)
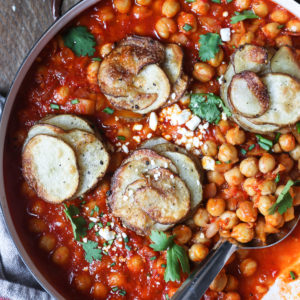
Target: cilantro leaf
(228,1)
(80,41)
(246,14)
(161,240)
(216,1)
(209,46)
(293,275)
(264,143)
(172,272)
(182,257)
(208,107)
(78,222)
(91,251)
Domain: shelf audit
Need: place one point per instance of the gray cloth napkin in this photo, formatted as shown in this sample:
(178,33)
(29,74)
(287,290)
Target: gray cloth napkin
(16,281)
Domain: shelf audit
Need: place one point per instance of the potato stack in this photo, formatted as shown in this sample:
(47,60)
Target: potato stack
(63,158)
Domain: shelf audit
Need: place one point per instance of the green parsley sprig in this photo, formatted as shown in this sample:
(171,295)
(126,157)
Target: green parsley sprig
(264,143)
(176,255)
(246,14)
(92,252)
(209,46)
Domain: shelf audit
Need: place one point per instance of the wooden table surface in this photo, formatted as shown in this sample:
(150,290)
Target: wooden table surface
(22,22)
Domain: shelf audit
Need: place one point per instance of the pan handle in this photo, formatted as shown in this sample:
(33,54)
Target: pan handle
(56,9)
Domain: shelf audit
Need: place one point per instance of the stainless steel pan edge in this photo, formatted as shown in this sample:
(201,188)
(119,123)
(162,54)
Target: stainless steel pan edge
(14,89)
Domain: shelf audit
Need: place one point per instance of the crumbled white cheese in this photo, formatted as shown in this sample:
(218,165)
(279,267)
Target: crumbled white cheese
(107,234)
(125,148)
(221,79)
(149,135)
(293,28)
(137,127)
(84,240)
(185,99)
(225,34)
(183,117)
(137,138)
(188,146)
(224,116)
(193,123)
(153,121)
(208,163)
(225,14)
(95,220)
(116,118)
(13,7)
(203,127)
(156,176)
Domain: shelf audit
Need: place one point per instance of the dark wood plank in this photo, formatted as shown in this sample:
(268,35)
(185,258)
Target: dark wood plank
(22,22)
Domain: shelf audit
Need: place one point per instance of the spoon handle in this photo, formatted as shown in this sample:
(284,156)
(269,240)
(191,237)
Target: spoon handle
(198,282)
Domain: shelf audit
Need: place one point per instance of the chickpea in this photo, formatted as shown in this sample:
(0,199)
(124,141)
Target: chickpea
(243,233)
(215,206)
(249,167)
(201,217)
(209,148)
(232,283)
(250,185)
(221,70)
(276,148)
(227,153)
(180,38)
(47,242)
(234,176)
(37,225)
(283,40)
(198,252)
(187,19)
(164,27)
(106,49)
(232,296)
(143,2)
(289,215)
(279,190)
(248,267)
(217,60)
(106,14)
(182,234)
(275,220)
(293,26)
(235,136)
(246,38)
(83,282)
(116,279)
(100,290)
(38,207)
(61,255)
(266,163)
(170,8)
(280,16)
(200,7)
(203,72)
(260,8)
(219,282)
(267,187)
(228,220)
(286,161)
(287,142)
(135,263)
(247,212)
(271,30)
(215,177)
(209,190)
(122,6)
(264,204)
(200,238)
(295,153)
(141,12)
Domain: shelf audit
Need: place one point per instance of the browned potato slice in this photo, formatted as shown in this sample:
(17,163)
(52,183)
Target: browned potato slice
(153,142)
(250,58)
(285,61)
(247,95)
(172,64)
(284,93)
(49,166)
(166,199)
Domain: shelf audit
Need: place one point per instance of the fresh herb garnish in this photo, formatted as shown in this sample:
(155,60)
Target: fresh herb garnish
(187,27)
(277,178)
(167,297)
(208,107)
(176,255)
(127,247)
(228,1)
(216,1)
(264,143)
(153,258)
(251,147)
(190,1)
(284,200)
(278,134)
(104,252)
(163,265)
(54,106)
(121,137)
(94,210)
(91,225)
(246,14)
(126,239)
(96,59)
(293,275)
(243,151)
(108,110)
(280,26)
(113,264)
(209,46)
(122,292)
(218,162)
(80,41)
(78,222)
(114,289)
(75,101)
(298,127)
(92,252)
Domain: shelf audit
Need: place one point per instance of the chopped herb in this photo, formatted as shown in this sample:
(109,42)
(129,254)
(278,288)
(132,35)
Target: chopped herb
(284,200)
(277,178)
(176,255)
(228,162)
(209,46)
(105,252)
(251,147)
(127,247)
(104,244)
(187,27)
(78,222)
(246,14)
(96,59)
(121,137)
(228,1)
(100,225)
(108,110)
(298,127)
(80,41)
(264,143)
(280,26)
(208,107)
(114,289)
(218,162)
(91,251)
(126,239)
(108,223)
(190,1)
(54,106)
(75,101)
(110,242)
(122,292)
(243,151)
(101,214)
(293,275)
(167,297)
(216,1)
(94,210)
(91,225)
(163,265)
(82,202)
(113,264)
(278,134)
(153,258)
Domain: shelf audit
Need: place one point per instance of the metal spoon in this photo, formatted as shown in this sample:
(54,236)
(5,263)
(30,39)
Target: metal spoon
(201,278)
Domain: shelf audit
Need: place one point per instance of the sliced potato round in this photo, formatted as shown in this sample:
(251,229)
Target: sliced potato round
(49,166)
(284,93)
(166,199)
(68,122)
(285,61)
(153,142)
(250,58)
(172,64)
(247,95)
